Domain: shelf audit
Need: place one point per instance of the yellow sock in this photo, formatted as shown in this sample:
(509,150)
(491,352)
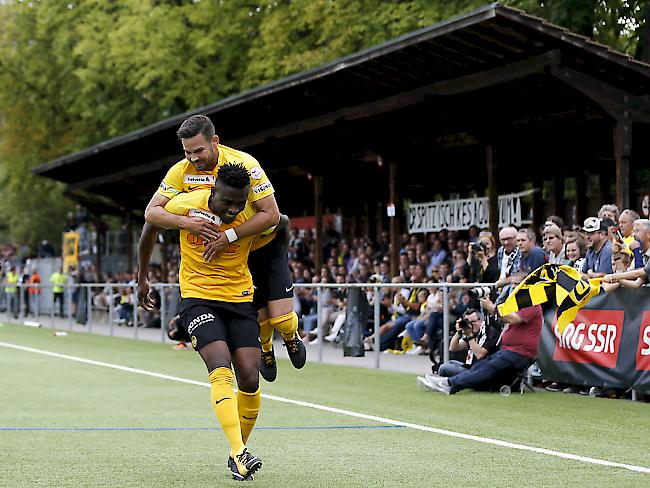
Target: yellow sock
(224,403)
(286,324)
(266,335)
(248,405)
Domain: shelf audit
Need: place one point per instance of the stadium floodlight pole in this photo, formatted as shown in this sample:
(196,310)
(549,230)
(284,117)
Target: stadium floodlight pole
(445,324)
(319,324)
(378,298)
(110,310)
(163,313)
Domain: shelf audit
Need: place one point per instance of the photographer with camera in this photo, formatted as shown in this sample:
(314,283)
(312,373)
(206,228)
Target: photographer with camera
(518,348)
(472,335)
(482,260)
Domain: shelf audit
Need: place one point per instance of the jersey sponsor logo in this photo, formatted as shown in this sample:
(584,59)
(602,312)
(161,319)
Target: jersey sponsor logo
(262,188)
(198,321)
(256,172)
(643,349)
(204,214)
(246,293)
(593,337)
(167,188)
(196,240)
(194,342)
(199,179)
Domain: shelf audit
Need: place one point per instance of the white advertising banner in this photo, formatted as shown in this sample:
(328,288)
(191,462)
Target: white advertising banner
(461,214)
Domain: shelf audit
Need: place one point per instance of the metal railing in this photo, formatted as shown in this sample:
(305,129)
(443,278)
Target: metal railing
(81,294)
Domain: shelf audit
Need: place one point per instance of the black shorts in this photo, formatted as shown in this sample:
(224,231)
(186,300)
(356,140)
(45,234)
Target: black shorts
(213,320)
(269,266)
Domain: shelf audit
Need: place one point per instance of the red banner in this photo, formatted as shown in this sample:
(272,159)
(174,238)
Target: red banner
(593,337)
(643,349)
(607,345)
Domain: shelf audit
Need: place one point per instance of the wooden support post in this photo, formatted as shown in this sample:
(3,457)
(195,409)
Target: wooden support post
(581,198)
(394,223)
(318,212)
(622,155)
(98,247)
(558,196)
(538,205)
(380,222)
(493,194)
(129,243)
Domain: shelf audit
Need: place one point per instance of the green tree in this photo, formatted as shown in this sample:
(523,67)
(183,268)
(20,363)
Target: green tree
(78,72)
(35,124)
(301,34)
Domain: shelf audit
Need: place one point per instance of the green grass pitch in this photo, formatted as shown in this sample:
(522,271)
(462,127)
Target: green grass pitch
(64,423)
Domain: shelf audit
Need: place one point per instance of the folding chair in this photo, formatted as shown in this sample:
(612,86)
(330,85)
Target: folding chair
(525,379)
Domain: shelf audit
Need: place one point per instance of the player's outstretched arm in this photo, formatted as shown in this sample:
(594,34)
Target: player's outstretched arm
(156,214)
(145,248)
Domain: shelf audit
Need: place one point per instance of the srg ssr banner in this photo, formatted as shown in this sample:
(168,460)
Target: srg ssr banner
(607,345)
(461,214)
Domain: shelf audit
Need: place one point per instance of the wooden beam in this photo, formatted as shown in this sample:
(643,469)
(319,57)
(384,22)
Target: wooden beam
(622,155)
(581,197)
(318,212)
(121,175)
(558,195)
(474,81)
(618,103)
(393,223)
(493,194)
(538,205)
(129,244)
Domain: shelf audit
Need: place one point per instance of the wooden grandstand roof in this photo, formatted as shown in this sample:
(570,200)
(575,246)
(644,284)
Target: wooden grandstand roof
(428,100)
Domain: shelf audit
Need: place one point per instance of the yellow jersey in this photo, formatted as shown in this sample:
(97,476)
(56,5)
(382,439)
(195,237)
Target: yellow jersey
(226,278)
(183,177)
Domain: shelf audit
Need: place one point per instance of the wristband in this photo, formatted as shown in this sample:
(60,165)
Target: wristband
(231,235)
(468,338)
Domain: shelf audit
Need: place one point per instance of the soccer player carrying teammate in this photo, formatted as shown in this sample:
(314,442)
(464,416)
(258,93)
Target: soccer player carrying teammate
(268,260)
(216,309)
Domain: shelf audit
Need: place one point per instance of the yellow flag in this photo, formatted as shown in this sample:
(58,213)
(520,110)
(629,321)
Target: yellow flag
(556,282)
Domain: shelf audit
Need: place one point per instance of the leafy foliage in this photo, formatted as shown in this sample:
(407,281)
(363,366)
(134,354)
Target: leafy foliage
(78,72)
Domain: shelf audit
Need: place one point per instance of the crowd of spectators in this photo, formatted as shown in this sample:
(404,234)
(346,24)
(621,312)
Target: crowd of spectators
(411,317)
(116,293)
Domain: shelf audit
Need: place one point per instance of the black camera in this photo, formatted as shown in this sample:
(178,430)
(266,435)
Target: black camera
(480,292)
(477,246)
(464,324)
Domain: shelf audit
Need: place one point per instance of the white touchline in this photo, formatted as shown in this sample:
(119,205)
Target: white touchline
(349,413)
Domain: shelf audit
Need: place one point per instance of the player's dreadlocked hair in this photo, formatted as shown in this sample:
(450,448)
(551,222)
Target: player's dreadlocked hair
(234,174)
